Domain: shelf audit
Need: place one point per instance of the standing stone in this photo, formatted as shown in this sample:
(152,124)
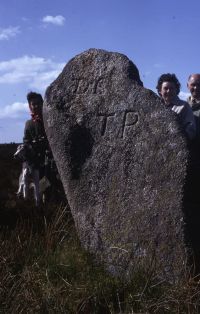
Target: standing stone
(122,161)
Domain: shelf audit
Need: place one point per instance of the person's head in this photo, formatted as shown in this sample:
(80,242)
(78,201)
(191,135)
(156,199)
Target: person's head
(35,102)
(193,85)
(168,87)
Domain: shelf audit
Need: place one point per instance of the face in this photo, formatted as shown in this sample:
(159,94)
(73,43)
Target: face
(168,92)
(35,106)
(194,86)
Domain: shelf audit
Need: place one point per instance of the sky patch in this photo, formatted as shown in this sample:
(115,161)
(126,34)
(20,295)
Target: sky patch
(13,111)
(35,71)
(8,33)
(57,20)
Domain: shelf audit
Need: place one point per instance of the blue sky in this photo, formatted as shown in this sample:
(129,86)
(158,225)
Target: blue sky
(38,37)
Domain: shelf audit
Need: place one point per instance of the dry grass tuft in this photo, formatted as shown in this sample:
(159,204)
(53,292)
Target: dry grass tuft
(43,269)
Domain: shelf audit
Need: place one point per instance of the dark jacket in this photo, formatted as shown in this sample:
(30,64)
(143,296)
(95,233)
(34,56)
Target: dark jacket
(34,134)
(195,145)
(195,105)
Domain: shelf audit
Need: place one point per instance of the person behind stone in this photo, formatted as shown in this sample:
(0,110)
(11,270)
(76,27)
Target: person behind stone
(34,133)
(193,100)
(193,85)
(192,190)
(168,88)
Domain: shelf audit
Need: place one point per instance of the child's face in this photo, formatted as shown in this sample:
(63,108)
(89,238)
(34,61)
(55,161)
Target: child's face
(194,86)
(35,106)
(168,92)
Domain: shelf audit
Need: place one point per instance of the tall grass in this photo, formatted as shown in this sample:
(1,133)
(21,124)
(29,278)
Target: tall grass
(43,269)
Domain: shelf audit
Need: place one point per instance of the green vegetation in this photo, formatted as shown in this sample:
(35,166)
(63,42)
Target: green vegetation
(44,269)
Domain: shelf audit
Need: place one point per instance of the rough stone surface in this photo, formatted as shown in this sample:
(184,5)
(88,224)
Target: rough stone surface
(122,160)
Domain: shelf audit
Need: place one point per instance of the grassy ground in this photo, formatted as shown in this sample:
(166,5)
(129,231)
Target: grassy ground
(43,268)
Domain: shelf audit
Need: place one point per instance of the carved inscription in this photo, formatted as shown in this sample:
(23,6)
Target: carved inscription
(82,86)
(128,123)
(106,119)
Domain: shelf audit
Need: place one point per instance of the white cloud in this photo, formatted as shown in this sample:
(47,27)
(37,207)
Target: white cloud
(56,20)
(36,72)
(184,95)
(14,110)
(7,33)
(45,79)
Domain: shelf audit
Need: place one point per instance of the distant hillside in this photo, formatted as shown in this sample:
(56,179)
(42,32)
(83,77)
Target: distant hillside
(9,174)
(7,151)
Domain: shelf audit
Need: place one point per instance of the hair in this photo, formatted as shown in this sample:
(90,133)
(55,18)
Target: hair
(189,77)
(32,95)
(168,77)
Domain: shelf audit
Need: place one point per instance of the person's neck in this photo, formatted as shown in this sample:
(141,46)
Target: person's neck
(171,101)
(36,117)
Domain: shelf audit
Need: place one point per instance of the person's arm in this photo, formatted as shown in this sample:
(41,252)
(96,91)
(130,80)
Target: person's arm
(188,121)
(27,133)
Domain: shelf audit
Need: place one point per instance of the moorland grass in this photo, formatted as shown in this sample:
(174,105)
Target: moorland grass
(44,269)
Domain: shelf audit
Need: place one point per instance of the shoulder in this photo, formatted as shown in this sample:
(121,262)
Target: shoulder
(184,104)
(29,125)
(29,122)
(183,108)
(32,124)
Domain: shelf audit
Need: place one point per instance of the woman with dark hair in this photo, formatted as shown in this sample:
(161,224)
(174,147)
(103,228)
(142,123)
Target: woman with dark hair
(168,88)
